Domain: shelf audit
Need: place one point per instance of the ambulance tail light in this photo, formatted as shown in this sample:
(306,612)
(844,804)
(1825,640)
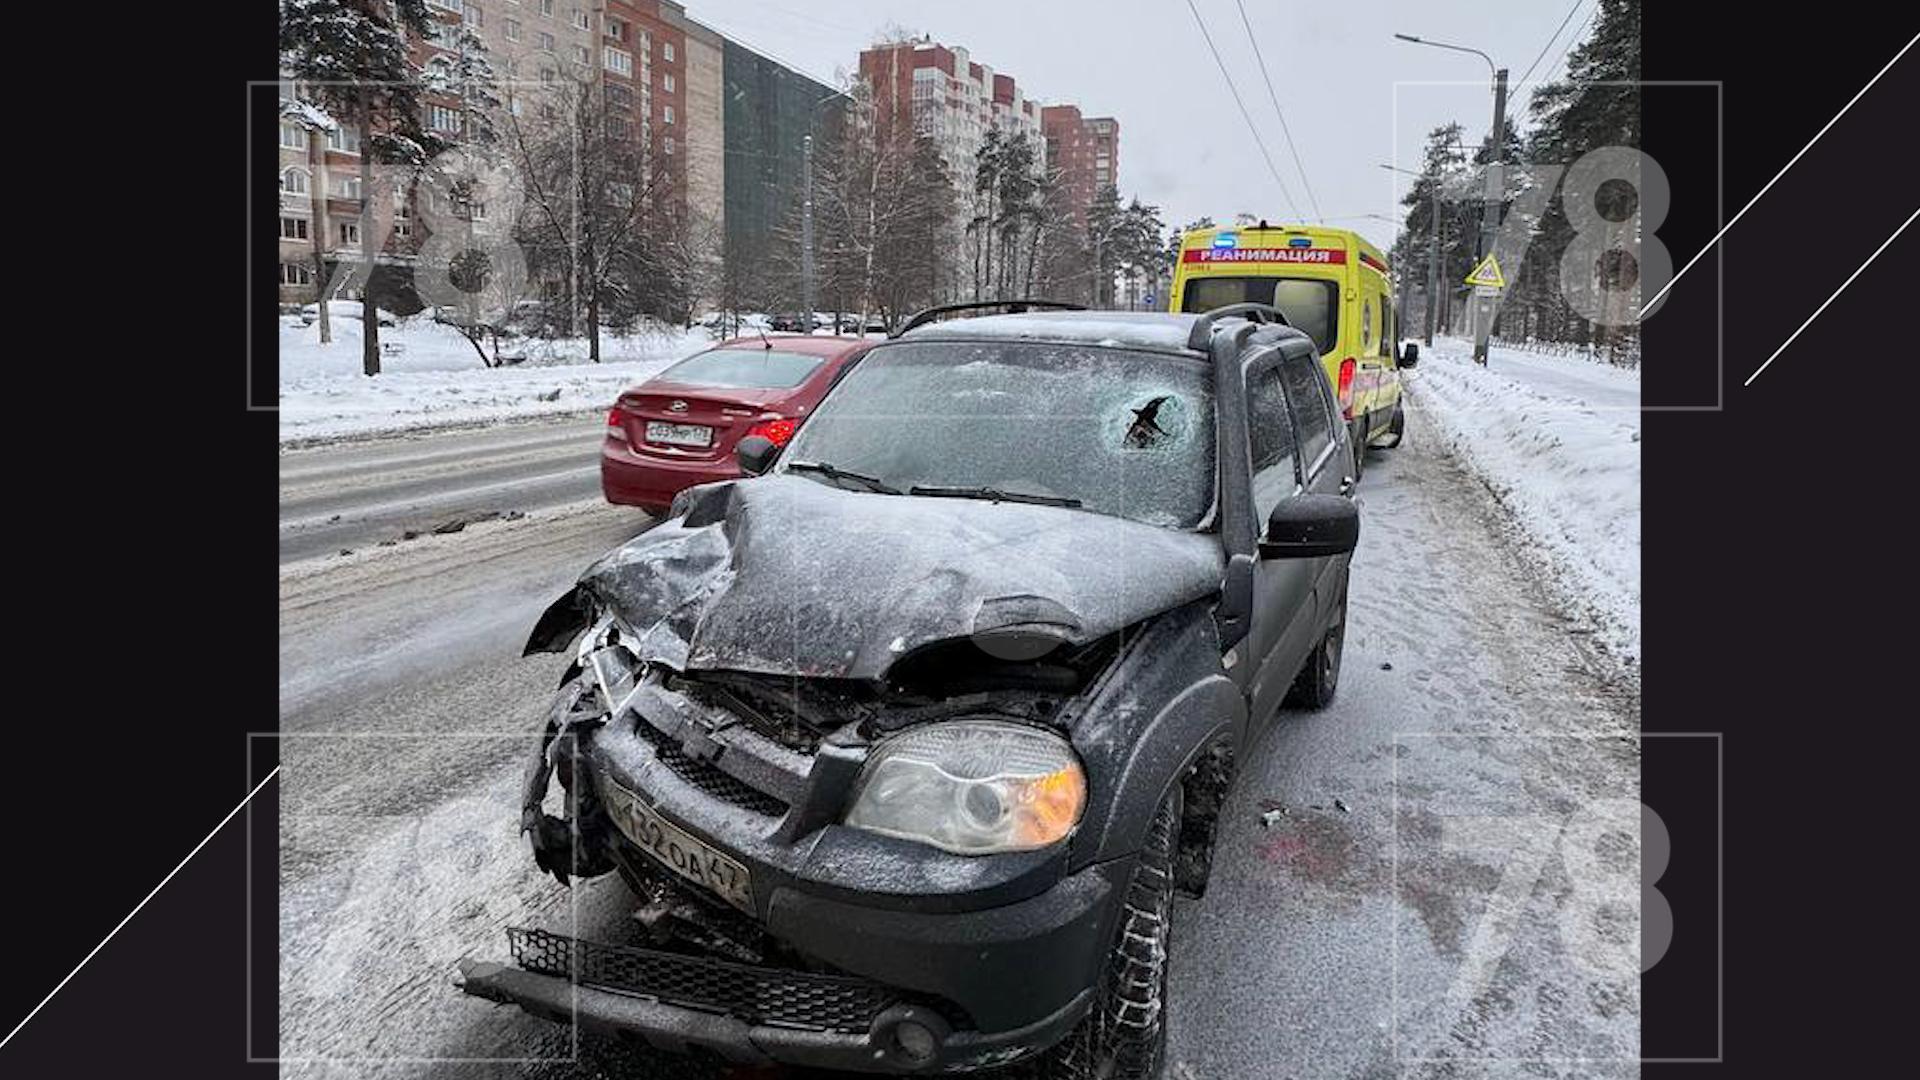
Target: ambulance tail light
(1345,387)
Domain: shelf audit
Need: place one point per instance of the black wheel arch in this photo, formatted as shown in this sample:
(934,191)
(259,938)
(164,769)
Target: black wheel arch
(1165,707)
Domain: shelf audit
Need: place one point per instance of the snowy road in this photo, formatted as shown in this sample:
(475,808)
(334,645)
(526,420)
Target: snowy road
(353,494)
(1427,901)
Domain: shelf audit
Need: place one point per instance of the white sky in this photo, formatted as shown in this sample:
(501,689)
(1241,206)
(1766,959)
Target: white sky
(1183,144)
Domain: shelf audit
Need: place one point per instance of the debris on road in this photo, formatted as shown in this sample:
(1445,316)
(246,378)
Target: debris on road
(1341,806)
(1386,665)
(459,524)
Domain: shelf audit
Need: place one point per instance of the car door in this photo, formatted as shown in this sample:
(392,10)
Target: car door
(1282,588)
(1326,467)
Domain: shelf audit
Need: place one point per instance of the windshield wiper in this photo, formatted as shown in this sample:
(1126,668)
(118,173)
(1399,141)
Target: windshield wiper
(871,483)
(992,495)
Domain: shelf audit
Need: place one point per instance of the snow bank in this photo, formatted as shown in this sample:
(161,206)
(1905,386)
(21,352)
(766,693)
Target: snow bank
(1557,441)
(435,379)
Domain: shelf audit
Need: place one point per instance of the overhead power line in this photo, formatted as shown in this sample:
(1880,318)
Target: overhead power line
(1547,73)
(1254,40)
(1543,49)
(1244,114)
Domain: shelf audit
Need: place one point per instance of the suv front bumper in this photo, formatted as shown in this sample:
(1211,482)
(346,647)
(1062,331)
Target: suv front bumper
(900,1039)
(901,1014)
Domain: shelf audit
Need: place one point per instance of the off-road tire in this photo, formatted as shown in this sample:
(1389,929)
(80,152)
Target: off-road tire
(1123,1036)
(1319,678)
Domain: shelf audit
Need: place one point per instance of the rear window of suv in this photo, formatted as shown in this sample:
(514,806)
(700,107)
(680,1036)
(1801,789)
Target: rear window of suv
(748,369)
(1311,305)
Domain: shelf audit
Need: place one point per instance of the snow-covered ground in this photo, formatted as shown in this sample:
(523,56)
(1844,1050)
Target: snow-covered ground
(435,379)
(1557,441)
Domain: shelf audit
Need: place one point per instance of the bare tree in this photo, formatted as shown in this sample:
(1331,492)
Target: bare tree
(885,202)
(594,200)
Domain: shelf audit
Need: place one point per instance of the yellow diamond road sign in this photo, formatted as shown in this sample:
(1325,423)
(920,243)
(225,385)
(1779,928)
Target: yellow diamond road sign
(1487,274)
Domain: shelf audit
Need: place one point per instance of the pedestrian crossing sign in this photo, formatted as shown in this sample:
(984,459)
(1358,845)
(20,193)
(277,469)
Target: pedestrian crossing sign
(1487,274)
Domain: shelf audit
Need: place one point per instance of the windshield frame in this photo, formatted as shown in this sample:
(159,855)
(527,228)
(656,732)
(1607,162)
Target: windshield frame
(1209,519)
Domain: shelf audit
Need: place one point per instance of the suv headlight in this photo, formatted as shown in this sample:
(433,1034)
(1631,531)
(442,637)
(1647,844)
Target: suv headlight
(972,787)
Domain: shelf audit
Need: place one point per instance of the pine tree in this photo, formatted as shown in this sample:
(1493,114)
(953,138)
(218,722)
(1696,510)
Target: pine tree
(1018,189)
(1443,170)
(1596,105)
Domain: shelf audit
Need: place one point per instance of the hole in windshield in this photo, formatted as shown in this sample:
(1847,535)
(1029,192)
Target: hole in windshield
(1159,422)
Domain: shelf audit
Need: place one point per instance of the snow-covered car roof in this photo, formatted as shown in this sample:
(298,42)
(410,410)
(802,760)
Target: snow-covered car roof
(1142,329)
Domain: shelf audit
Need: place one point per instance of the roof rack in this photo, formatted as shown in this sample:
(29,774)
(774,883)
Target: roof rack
(1202,331)
(1014,307)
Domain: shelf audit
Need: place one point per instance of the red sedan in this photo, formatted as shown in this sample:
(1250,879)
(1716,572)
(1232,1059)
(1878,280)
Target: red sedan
(679,428)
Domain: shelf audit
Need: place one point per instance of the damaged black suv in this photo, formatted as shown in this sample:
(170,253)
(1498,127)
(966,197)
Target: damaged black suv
(907,741)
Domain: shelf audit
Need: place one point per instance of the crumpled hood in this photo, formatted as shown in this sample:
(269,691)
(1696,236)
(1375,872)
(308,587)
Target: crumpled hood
(783,575)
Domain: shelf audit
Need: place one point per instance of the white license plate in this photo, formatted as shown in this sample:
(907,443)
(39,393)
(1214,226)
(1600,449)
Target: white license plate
(679,434)
(676,849)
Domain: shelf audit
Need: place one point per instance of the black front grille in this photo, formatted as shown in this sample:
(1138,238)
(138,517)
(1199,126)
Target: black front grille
(758,995)
(708,778)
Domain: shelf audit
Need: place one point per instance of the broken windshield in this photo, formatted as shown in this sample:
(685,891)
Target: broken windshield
(1126,433)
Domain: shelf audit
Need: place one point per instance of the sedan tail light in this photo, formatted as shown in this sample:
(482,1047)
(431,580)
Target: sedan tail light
(617,423)
(776,431)
(1346,388)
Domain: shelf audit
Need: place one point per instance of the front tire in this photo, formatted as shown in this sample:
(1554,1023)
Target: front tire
(1124,1035)
(1314,687)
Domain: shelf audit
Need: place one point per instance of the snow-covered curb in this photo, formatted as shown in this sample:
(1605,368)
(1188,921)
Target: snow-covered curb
(436,380)
(1566,466)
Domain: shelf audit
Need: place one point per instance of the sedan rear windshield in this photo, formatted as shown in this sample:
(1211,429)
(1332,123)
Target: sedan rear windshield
(1311,305)
(755,369)
(1125,432)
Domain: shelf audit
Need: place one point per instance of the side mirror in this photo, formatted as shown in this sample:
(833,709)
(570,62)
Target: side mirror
(1311,527)
(755,454)
(1410,354)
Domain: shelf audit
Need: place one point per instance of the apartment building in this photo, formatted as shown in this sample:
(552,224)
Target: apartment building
(940,92)
(631,51)
(1105,133)
(319,198)
(770,109)
(1084,152)
(702,134)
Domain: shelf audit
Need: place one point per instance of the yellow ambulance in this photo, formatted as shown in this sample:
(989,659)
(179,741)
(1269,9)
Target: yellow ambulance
(1330,283)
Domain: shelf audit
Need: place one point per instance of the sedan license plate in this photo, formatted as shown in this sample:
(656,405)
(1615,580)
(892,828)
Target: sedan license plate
(679,434)
(678,850)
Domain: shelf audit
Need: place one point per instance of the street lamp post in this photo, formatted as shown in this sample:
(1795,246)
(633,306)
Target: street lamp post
(806,232)
(1433,253)
(1496,184)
